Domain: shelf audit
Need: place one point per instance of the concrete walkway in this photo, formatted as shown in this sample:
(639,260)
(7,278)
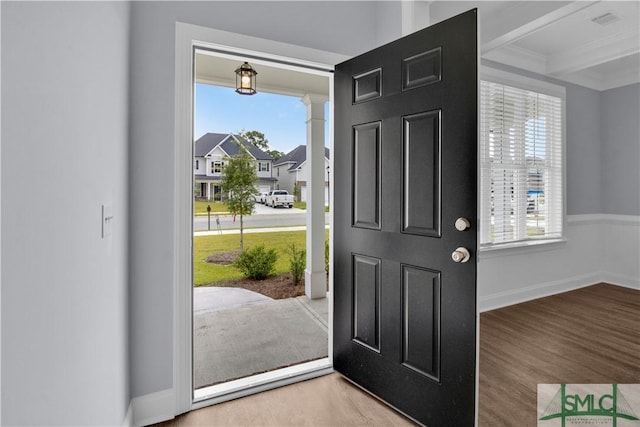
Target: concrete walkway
(238,333)
(207,299)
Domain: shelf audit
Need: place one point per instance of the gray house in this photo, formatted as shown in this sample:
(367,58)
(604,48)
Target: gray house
(292,168)
(210,152)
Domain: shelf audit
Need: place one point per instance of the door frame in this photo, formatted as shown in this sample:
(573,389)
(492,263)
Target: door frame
(189,37)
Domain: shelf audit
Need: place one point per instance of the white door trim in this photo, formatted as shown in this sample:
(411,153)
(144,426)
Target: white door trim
(188,37)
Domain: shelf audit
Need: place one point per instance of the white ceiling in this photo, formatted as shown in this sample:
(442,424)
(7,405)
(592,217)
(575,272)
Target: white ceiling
(553,38)
(219,69)
(558,38)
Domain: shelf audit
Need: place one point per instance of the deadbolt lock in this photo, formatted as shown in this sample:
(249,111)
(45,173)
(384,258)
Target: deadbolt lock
(461,255)
(462,224)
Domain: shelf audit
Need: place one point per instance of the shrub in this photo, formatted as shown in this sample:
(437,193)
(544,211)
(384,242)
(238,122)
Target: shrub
(326,256)
(298,262)
(257,263)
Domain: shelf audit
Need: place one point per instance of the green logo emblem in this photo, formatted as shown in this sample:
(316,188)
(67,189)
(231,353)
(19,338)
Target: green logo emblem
(588,404)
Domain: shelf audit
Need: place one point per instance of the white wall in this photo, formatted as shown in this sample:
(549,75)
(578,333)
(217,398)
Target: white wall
(599,248)
(65,69)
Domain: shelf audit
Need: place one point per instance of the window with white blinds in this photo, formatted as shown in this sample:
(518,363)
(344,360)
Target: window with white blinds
(521,149)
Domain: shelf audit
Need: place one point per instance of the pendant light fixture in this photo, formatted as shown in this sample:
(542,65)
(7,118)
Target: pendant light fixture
(246,79)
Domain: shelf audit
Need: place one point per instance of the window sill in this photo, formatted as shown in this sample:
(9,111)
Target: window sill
(519,248)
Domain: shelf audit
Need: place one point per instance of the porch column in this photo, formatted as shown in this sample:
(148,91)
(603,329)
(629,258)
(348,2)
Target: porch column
(315,276)
(208,191)
(415,15)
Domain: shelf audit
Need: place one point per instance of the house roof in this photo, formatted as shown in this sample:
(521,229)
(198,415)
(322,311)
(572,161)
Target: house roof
(228,143)
(297,157)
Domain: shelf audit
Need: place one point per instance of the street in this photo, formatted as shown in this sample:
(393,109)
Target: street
(263,216)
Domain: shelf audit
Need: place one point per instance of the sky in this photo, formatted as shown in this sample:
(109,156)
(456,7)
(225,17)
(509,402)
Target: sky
(281,118)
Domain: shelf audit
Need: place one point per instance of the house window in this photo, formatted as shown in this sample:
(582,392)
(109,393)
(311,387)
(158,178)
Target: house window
(521,163)
(216,166)
(263,166)
(197,164)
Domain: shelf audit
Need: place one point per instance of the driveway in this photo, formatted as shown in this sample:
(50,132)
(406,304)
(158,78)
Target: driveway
(261,209)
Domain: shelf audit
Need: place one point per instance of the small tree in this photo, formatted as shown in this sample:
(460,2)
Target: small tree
(239,181)
(297,192)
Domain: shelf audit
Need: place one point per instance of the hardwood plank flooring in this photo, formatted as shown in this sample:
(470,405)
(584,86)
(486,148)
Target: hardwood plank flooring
(590,335)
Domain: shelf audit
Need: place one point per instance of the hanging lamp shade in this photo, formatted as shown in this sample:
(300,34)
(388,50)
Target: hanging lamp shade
(246,79)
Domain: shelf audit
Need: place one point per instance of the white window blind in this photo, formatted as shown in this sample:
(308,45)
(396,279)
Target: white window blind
(521,165)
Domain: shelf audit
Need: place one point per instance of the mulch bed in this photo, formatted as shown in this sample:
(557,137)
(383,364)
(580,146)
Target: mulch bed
(277,287)
(223,258)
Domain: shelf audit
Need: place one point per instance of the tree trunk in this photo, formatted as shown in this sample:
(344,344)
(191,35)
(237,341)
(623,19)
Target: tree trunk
(241,235)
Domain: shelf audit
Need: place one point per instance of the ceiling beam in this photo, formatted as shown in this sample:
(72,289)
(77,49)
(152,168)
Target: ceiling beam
(592,54)
(535,25)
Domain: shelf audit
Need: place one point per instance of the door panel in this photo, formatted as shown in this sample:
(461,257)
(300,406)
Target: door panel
(421,321)
(421,174)
(366,175)
(405,170)
(366,301)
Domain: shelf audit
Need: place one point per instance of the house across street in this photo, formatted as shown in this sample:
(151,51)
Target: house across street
(210,152)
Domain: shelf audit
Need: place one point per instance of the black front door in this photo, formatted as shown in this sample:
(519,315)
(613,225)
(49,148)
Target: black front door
(405,172)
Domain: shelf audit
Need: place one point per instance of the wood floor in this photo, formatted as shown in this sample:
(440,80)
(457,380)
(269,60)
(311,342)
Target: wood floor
(591,335)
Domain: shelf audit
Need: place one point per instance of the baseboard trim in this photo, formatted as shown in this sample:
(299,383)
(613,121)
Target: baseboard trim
(622,220)
(153,408)
(504,299)
(585,219)
(620,280)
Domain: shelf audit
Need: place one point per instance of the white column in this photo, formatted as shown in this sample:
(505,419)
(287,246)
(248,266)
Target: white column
(415,15)
(208,191)
(315,277)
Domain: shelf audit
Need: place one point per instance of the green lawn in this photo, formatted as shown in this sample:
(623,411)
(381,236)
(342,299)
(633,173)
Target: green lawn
(203,246)
(200,206)
(303,206)
(205,273)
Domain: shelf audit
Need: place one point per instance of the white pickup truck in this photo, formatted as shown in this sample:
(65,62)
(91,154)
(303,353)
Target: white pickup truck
(279,198)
